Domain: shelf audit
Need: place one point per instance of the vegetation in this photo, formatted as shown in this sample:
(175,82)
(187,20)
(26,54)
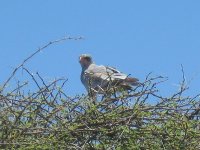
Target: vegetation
(138,119)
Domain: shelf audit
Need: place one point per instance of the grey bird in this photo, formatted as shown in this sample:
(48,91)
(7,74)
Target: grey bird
(101,79)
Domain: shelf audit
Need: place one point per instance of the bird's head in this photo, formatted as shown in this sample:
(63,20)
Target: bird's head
(85,60)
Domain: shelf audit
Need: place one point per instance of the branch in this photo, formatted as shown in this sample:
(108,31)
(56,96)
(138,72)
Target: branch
(36,52)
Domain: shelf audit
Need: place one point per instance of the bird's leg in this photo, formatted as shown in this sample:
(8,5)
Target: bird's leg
(92,92)
(93,95)
(114,92)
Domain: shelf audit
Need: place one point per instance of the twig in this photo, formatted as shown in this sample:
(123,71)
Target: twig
(36,52)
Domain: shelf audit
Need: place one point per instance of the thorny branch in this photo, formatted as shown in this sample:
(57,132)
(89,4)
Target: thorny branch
(36,52)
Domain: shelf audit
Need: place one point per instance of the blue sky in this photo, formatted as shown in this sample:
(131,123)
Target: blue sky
(137,37)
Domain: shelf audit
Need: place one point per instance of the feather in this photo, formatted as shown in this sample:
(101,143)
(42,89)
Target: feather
(99,78)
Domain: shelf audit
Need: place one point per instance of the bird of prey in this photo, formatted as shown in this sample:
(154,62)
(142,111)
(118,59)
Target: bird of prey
(100,79)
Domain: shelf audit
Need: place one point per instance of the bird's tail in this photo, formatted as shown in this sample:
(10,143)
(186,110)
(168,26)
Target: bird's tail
(132,81)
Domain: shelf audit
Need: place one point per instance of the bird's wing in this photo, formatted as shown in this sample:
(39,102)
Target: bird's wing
(99,77)
(114,70)
(116,74)
(97,72)
(105,73)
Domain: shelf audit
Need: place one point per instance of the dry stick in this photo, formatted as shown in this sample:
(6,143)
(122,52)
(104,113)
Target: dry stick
(43,82)
(33,54)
